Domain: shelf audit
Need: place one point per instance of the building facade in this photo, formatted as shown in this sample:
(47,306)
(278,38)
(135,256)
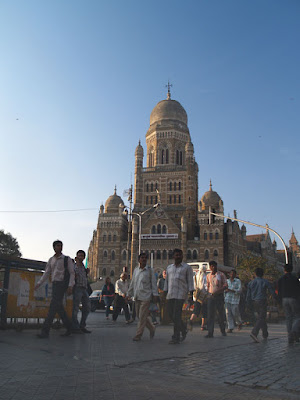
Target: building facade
(166,211)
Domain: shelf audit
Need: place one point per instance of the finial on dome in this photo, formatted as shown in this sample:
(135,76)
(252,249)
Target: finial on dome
(139,142)
(210,185)
(115,192)
(169,92)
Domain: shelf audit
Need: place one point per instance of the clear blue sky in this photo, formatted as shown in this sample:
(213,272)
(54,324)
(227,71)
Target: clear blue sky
(79,80)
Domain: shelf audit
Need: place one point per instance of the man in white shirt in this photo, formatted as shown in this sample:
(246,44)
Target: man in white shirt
(121,299)
(56,267)
(178,283)
(143,287)
(232,300)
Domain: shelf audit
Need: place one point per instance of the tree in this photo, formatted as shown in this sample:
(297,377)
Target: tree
(247,266)
(9,246)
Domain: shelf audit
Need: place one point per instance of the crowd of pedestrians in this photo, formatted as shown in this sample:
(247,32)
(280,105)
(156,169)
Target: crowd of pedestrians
(210,293)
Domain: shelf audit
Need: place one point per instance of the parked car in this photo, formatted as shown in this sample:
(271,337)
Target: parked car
(95,304)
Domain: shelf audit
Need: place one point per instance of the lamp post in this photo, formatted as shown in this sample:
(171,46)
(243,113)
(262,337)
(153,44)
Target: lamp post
(252,223)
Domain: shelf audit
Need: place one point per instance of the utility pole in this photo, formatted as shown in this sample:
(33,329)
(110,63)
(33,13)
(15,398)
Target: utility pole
(129,194)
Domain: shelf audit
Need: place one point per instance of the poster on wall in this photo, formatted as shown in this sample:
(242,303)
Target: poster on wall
(25,302)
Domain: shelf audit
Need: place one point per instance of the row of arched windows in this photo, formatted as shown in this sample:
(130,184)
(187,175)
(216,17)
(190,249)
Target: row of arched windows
(113,255)
(151,186)
(174,199)
(159,229)
(104,272)
(207,256)
(173,186)
(109,237)
(192,255)
(159,255)
(211,235)
(109,224)
(151,200)
(164,156)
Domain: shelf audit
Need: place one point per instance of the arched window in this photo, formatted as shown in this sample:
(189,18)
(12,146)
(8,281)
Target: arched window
(170,199)
(105,254)
(167,156)
(164,229)
(104,272)
(180,157)
(151,187)
(179,198)
(113,255)
(170,186)
(165,254)
(153,230)
(158,255)
(177,157)
(210,236)
(205,236)
(159,228)
(175,186)
(206,255)
(162,160)
(124,255)
(109,237)
(147,187)
(114,238)
(170,254)
(179,185)
(112,273)
(216,253)
(189,255)
(217,235)
(195,255)
(156,185)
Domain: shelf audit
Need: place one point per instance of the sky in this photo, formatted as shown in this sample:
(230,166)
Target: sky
(79,80)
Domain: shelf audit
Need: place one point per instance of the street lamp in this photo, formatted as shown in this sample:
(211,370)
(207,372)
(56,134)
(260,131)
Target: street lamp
(252,223)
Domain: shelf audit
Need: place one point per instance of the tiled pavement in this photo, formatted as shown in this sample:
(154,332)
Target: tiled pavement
(108,365)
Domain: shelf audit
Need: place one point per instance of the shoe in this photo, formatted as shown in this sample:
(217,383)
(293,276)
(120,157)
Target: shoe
(209,336)
(130,321)
(265,336)
(137,339)
(67,333)
(43,335)
(174,341)
(183,335)
(255,338)
(224,333)
(152,333)
(240,327)
(229,330)
(84,330)
(77,331)
(190,325)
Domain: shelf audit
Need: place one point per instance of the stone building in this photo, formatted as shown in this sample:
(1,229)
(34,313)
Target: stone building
(169,178)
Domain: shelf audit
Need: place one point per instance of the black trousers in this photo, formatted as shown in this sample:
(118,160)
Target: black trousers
(215,304)
(56,306)
(174,307)
(119,304)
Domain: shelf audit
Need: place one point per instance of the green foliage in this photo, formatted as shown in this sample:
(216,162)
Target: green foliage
(247,266)
(9,246)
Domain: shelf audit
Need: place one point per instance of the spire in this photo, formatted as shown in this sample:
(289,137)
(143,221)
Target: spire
(115,191)
(169,92)
(210,185)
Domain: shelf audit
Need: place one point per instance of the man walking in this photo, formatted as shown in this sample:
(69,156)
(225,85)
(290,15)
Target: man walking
(142,289)
(56,266)
(257,297)
(178,283)
(80,294)
(216,284)
(289,296)
(121,299)
(232,300)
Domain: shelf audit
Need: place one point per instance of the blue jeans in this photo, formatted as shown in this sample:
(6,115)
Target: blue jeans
(260,307)
(80,294)
(107,301)
(292,314)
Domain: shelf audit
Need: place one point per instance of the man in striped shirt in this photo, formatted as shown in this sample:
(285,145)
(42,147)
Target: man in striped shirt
(179,282)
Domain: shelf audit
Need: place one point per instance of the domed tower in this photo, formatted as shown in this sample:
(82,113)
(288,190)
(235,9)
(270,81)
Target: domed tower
(211,228)
(169,178)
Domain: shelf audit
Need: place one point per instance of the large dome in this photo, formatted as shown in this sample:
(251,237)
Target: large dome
(113,202)
(168,110)
(211,198)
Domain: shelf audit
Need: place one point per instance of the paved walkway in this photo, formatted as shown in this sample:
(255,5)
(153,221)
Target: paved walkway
(108,364)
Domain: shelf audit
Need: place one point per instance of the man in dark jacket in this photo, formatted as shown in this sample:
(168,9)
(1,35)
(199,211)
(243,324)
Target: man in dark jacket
(289,296)
(257,297)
